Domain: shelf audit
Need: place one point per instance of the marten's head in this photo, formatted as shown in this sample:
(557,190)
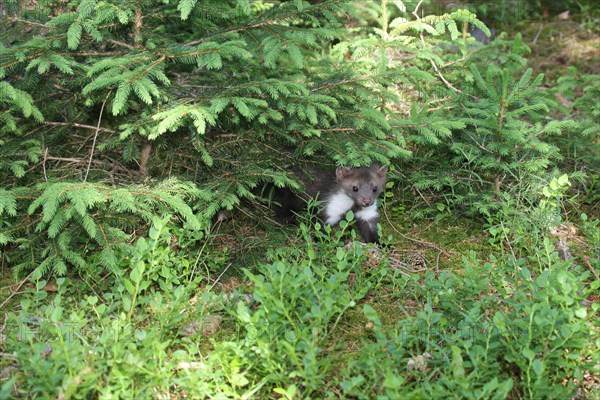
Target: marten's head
(363,185)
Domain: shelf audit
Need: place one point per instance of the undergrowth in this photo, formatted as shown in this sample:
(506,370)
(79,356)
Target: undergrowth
(325,317)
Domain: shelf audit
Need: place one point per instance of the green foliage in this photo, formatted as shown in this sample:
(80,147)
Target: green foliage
(519,226)
(503,148)
(72,224)
(463,344)
(67,342)
(477,123)
(106,335)
(246,62)
(580,146)
(501,328)
(507,13)
(16,153)
(225,94)
(584,100)
(237,99)
(136,294)
(278,337)
(591,230)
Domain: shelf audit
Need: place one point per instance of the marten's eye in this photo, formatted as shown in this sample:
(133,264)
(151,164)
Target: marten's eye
(375,189)
(355,188)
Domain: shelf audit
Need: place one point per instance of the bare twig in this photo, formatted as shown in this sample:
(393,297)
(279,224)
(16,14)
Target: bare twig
(144,158)
(437,70)
(219,277)
(507,240)
(87,171)
(586,260)
(128,46)
(537,35)
(15,19)
(13,292)
(44,164)
(3,328)
(397,261)
(65,159)
(137,34)
(421,242)
(417,9)
(422,197)
(76,125)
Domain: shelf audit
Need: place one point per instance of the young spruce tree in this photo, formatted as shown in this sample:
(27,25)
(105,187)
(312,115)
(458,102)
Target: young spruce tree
(100,95)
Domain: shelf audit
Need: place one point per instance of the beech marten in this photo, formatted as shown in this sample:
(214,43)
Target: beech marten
(340,191)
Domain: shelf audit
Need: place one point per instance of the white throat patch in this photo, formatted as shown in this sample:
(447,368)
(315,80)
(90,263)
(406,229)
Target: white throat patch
(337,205)
(368,214)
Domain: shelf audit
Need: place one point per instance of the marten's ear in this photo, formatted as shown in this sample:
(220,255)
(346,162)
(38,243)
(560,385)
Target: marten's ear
(342,173)
(382,171)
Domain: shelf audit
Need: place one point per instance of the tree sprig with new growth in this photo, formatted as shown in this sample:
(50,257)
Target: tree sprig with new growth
(68,222)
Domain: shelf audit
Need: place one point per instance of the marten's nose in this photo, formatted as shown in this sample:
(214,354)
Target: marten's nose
(366,202)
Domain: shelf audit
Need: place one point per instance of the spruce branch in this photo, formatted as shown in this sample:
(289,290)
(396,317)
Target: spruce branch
(433,64)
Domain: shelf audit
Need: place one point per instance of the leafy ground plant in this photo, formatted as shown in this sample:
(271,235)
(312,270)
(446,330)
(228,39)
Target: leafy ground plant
(504,328)
(497,332)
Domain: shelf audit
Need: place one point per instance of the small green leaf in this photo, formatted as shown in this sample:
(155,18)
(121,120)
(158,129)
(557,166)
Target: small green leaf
(528,354)
(243,313)
(563,180)
(154,233)
(340,254)
(350,216)
(546,192)
(538,367)
(128,285)
(581,313)
(458,370)
(371,314)
(57,313)
(393,381)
